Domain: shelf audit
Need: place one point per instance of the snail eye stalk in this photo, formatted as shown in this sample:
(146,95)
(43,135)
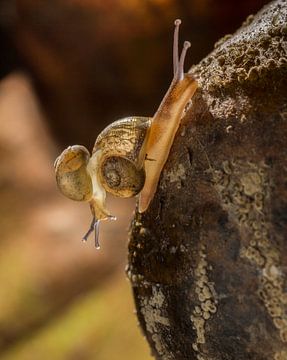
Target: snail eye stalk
(94,227)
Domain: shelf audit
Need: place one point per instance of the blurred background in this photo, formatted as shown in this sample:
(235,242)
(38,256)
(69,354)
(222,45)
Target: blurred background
(68,68)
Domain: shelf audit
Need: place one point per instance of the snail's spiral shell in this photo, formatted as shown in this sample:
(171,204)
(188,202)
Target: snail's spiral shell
(71,173)
(76,185)
(125,137)
(121,177)
(120,153)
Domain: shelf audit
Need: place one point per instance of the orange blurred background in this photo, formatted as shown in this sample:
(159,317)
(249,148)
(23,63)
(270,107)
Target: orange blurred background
(68,68)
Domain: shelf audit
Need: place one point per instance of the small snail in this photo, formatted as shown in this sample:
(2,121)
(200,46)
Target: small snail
(128,155)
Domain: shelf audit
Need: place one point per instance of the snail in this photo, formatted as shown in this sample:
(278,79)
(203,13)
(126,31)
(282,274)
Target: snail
(129,154)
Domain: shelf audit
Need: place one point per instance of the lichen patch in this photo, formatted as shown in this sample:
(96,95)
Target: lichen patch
(244,188)
(153,310)
(207,302)
(176,175)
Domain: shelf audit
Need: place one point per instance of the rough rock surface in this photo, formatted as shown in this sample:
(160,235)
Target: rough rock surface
(208,260)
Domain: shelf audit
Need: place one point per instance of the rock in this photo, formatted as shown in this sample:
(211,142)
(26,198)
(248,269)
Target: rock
(209,270)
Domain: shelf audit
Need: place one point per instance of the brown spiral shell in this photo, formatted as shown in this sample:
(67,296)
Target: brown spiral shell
(122,154)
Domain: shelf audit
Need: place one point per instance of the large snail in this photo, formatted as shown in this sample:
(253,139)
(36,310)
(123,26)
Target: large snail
(128,155)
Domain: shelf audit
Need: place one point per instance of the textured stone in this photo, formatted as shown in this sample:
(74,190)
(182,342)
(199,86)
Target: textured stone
(208,260)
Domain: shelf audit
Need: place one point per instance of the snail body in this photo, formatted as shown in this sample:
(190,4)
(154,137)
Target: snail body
(128,155)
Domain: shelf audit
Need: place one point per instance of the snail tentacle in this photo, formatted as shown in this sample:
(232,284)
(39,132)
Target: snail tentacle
(178,62)
(175,46)
(94,227)
(180,70)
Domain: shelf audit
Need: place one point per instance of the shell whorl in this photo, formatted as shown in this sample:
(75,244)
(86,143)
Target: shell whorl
(121,177)
(122,149)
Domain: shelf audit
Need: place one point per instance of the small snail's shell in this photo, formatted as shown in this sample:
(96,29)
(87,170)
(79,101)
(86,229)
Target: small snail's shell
(122,148)
(121,177)
(71,173)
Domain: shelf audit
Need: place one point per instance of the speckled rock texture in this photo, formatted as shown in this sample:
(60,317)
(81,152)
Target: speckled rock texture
(208,260)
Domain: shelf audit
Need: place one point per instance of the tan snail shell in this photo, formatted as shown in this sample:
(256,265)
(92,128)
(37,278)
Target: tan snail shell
(129,154)
(122,148)
(71,173)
